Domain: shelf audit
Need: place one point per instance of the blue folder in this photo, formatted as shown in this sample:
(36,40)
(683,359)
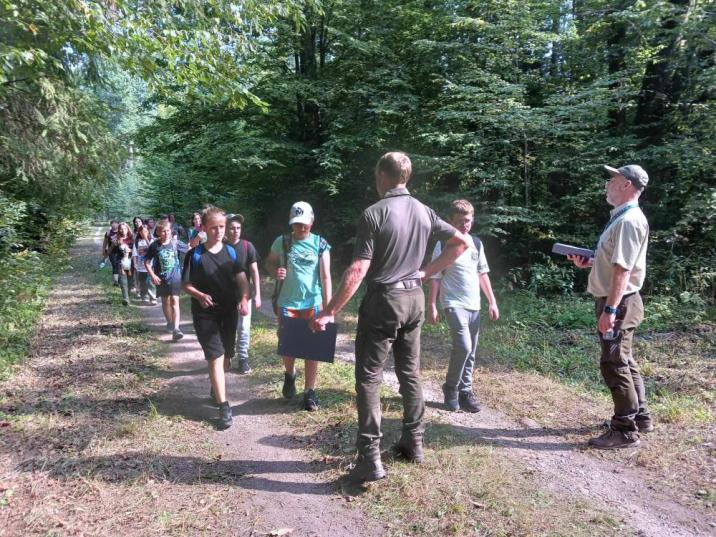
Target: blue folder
(297,340)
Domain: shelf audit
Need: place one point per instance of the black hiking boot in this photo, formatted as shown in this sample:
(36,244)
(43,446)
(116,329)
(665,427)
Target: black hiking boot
(645,425)
(226,418)
(289,386)
(243,368)
(311,401)
(367,468)
(469,402)
(451,398)
(410,449)
(612,439)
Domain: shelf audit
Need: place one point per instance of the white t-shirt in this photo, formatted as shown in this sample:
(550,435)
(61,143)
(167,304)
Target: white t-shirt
(460,285)
(140,248)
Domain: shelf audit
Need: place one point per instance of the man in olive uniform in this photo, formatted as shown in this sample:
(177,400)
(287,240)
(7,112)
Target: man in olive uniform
(617,273)
(391,241)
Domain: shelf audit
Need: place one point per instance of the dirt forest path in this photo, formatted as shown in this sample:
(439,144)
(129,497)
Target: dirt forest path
(96,447)
(560,464)
(562,467)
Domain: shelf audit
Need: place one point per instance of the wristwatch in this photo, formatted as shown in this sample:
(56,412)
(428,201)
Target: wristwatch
(609,310)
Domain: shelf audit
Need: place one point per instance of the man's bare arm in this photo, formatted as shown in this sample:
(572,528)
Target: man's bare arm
(454,247)
(352,278)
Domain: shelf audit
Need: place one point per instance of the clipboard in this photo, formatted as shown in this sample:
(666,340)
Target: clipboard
(297,340)
(566,249)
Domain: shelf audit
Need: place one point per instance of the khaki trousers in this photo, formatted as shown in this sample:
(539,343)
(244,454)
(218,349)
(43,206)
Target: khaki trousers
(388,319)
(619,369)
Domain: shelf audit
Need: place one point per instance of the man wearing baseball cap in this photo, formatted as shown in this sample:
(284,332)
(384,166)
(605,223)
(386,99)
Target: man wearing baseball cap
(617,274)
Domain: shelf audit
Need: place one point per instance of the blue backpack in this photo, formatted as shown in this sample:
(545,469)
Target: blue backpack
(196,255)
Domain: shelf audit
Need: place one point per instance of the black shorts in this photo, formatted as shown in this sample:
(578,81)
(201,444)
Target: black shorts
(216,331)
(172,287)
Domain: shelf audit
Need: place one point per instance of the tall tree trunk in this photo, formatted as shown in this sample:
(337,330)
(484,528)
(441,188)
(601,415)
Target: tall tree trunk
(660,89)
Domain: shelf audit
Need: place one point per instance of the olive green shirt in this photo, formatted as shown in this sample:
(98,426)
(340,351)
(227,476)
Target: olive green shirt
(394,234)
(622,243)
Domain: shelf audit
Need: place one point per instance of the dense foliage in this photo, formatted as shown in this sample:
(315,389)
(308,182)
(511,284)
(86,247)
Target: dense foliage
(253,105)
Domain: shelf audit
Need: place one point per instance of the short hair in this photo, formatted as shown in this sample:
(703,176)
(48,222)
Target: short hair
(163,217)
(396,165)
(210,212)
(163,224)
(237,218)
(462,207)
(114,221)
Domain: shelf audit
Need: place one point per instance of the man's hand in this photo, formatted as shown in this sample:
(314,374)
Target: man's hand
(281,273)
(581,262)
(320,322)
(257,302)
(195,242)
(244,306)
(494,312)
(205,301)
(606,322)
(156,280)
(433,315)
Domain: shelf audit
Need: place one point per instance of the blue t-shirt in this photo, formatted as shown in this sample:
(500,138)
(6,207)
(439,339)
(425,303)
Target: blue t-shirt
(165,259)
(302,288)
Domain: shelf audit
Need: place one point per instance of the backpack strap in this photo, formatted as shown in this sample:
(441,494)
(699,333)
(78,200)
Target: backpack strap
(322,245)
(196,255)
(232,252)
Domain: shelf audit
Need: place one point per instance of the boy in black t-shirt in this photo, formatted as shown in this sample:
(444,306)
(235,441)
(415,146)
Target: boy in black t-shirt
(217,283)
(248,257)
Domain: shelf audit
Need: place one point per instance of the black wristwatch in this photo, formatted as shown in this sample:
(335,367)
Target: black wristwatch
(609,310)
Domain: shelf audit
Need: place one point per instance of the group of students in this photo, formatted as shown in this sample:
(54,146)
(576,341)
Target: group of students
(220,273)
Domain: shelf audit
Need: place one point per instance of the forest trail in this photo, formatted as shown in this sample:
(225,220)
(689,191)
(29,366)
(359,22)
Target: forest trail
(80,462)
(108,428)
(563,466)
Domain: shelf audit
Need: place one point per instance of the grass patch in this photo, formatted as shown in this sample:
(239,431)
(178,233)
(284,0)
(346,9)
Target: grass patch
(471,488)
(25,280)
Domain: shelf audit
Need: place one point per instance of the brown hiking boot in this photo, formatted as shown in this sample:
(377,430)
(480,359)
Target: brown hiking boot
(366,469)
(612,439)
(409,449)
(645,425)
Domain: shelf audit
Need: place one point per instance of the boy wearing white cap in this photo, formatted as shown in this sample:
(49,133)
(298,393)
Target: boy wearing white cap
(302,264)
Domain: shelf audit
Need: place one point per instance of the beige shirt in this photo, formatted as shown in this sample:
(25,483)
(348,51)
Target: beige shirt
(623,243)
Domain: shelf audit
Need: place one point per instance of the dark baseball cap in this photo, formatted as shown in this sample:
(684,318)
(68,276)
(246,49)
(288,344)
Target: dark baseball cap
(632,172)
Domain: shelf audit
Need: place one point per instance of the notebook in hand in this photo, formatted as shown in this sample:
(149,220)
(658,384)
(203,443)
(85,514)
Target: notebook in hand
(566,249)
(297,340)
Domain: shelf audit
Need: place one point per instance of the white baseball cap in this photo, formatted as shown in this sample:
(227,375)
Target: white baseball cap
(300,213)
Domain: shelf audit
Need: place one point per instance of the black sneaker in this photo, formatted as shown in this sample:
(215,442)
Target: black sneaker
(226,418)
(468,402)
(244,368)
(311,401)
(177,335)
(289,386)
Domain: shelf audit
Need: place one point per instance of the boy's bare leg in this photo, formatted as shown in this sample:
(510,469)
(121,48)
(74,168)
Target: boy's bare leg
(175,312)
(311,374)
(218,380)
(289,365)
(167,309)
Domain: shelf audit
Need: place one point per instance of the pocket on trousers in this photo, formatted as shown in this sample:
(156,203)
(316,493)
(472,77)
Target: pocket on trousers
(612,352)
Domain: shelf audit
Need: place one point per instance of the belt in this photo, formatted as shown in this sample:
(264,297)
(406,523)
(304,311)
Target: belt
(412,283)
(623,296)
